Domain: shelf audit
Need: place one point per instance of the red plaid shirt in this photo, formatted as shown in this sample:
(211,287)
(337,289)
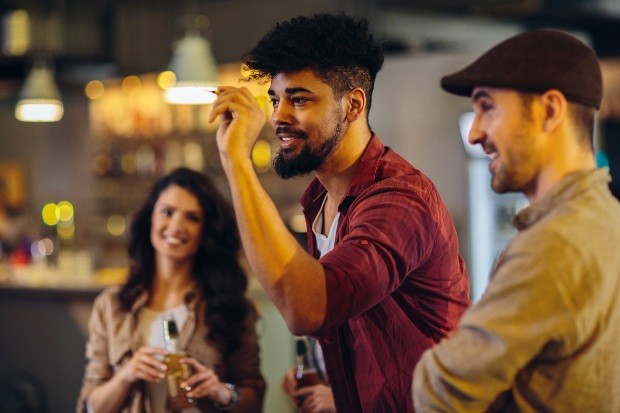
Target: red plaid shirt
(396,283)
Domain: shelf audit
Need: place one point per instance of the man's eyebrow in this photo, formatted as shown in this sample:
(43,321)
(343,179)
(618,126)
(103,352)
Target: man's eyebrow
(290,90)
(479,94)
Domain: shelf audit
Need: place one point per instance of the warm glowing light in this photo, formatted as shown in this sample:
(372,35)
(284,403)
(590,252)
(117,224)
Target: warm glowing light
(16,32)
(202,21)
(193,155)
(39,110)
(65,230)
(297,223)
(262,101)
(94,89)
(190,95)
(44,246)
(129,163)
(50,214)
(116,225)
(166,79)
(194,65)
(131,85)
(65,209)
(261,155)
(245,71)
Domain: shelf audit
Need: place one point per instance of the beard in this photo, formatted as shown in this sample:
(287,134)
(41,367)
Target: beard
(517,167)
(289,165)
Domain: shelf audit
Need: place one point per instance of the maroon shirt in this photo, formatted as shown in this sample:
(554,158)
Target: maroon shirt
(396,283)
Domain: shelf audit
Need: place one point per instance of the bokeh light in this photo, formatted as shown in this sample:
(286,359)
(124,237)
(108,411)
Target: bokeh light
(116,225)
(166,79)
(50,214)
(44,246)
(261,155)
(65,209)
(131,85)
(94,89)
(65,230)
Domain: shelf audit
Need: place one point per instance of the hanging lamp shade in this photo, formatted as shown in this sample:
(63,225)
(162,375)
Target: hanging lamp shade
(196,72)
(39,98)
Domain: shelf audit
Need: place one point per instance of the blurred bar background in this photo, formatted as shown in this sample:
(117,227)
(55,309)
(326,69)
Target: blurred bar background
(70,181)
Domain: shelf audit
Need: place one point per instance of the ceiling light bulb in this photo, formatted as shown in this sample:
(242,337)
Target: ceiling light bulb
(39,99)
(196,72)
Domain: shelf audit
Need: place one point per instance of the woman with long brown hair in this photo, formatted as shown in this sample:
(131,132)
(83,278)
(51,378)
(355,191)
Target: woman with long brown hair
(183,251)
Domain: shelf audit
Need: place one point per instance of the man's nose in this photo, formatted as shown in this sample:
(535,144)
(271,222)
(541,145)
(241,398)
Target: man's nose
(476,135)
(281,114)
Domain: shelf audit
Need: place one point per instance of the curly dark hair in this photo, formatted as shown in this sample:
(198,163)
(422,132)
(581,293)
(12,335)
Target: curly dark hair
(217,271)
(339,49)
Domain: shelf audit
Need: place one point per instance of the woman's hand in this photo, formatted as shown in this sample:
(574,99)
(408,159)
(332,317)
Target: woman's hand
(205,383)
(145,364)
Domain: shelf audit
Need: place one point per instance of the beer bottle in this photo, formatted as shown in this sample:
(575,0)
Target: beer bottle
(177,372)
(306,373)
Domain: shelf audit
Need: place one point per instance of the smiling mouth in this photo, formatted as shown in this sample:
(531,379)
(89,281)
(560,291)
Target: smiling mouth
(490,152)
(173,240)
(286,133)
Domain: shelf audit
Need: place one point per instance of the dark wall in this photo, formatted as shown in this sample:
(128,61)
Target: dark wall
(42,351)
(611,132)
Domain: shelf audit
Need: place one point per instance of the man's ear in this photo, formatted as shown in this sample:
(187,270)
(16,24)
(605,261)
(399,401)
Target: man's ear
(357,104)
(555,106)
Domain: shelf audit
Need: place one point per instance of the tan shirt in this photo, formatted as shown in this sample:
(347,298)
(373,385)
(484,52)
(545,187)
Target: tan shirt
(114,335)
(545,336)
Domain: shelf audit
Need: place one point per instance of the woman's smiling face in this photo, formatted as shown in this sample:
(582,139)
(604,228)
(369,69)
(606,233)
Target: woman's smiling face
(176,224)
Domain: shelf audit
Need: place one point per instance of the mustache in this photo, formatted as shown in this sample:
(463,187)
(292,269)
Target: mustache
(287,130)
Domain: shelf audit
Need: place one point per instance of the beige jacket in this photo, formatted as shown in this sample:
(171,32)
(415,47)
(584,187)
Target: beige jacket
(114,335)
(545,336)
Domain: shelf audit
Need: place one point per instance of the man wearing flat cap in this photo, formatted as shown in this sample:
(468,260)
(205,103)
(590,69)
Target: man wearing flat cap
(545,336)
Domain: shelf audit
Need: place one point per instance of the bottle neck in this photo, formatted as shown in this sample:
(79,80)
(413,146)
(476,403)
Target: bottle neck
(171,345)
(304,364)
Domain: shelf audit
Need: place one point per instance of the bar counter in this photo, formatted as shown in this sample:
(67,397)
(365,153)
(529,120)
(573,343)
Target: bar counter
(44,317)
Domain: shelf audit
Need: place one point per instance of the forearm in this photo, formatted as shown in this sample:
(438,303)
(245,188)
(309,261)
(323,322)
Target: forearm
(109,397)
(293,280)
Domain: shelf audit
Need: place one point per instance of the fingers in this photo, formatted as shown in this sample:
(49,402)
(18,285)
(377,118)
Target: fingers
(289,382)
(206,385)
(304,391)
(319,400)
(150,373)
(203,382)
(146,364)
(231,102)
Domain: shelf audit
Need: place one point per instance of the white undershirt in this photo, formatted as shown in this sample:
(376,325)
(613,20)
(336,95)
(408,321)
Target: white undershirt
(324,244)
(152,329)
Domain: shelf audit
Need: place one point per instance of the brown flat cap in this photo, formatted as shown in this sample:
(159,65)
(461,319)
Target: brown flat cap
(535,61)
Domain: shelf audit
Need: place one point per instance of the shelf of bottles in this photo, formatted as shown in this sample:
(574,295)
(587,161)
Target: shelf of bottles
(137,137)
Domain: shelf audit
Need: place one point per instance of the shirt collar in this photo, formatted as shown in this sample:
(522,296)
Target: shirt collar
(365,174)
(568,187)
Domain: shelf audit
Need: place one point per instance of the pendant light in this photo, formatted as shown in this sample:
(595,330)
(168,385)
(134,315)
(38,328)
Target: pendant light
(195,68)
(39,98)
